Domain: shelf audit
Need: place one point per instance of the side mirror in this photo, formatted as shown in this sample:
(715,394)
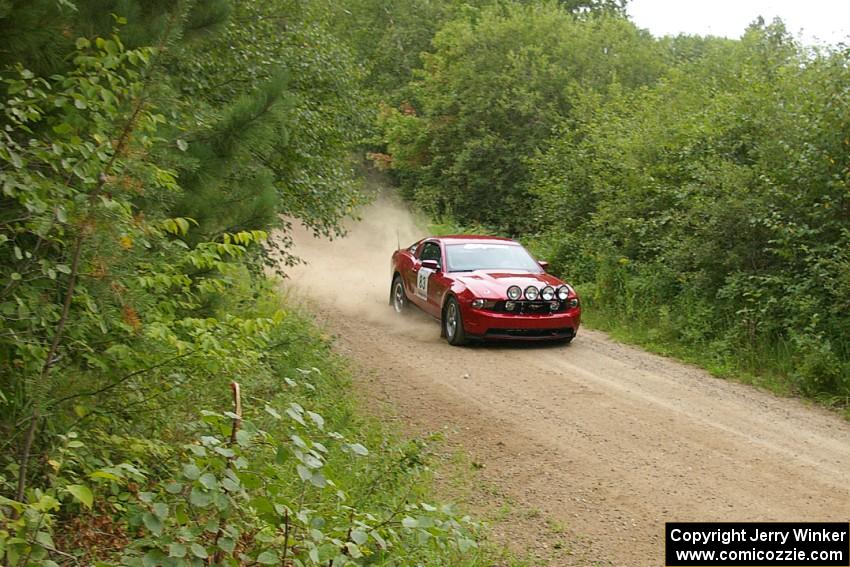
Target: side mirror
(431,265)
(544,264)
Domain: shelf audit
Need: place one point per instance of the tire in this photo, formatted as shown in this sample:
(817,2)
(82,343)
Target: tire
(566,341)
(452,323)
(398,297)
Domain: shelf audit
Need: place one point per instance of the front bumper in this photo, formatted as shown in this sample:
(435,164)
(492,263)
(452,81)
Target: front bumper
(486,324)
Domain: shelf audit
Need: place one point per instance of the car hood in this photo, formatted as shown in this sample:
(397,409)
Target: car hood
(493,284)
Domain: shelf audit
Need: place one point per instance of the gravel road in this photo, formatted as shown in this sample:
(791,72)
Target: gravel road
(591,446)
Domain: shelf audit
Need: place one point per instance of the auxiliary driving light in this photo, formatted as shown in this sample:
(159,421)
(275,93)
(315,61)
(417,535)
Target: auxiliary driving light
(563,292)
(532,293)
(548,293)
(514,292)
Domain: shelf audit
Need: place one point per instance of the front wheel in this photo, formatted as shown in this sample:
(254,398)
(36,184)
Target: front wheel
(398,299)
(453,323)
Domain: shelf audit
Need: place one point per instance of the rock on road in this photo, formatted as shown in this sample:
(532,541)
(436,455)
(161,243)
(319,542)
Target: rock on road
(603,439)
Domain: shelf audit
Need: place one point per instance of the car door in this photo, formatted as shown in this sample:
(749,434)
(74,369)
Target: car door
(431,284)
(438,286)
(420,277)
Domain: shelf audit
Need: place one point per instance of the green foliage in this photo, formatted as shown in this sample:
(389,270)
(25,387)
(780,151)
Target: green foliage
(713,206)
(295,480)
(390,38)
(247,495)
(269,124)
(97,294)
(489,96)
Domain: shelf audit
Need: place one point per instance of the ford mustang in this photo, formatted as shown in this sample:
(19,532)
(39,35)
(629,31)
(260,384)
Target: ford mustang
(483,287)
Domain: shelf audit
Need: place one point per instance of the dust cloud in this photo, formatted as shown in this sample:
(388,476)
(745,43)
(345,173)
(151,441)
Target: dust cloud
(351,275)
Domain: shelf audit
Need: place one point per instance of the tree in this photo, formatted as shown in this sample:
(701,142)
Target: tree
(137,181)
(490,95)
(711,205)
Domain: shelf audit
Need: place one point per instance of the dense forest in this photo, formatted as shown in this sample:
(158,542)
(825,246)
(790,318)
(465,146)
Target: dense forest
(159,405)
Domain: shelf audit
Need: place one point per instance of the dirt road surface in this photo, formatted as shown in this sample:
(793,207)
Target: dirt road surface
(581,452)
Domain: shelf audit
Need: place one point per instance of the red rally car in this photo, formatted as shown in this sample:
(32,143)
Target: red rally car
(483,287)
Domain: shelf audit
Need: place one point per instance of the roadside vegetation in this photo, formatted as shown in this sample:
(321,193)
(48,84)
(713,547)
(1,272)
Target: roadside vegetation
(696,189)
(158,404)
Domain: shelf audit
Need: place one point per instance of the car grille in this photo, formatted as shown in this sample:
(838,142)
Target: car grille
(525,307)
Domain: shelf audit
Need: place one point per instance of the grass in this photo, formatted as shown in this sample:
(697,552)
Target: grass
(769,366)
(762,367)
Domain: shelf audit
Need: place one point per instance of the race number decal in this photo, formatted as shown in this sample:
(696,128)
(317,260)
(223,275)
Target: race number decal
(422,277)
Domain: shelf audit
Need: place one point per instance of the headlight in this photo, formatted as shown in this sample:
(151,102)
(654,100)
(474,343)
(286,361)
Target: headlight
(478,303)
(531,293)
(548,293)
(574,302)
(514,292)
(563,292)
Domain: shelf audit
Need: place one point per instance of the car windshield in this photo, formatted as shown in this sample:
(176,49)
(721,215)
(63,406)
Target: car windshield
(480,256)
